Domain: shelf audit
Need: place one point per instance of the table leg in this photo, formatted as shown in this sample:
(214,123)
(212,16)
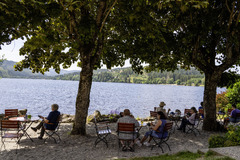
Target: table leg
(25,132)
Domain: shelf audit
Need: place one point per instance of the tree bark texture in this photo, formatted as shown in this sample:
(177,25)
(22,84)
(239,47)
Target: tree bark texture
(83,99)
(209,102)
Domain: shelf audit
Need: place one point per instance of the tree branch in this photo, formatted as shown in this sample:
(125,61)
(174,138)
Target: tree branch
(232,56)
(107,15)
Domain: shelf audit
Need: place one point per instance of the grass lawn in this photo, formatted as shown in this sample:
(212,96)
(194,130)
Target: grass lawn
(186,156)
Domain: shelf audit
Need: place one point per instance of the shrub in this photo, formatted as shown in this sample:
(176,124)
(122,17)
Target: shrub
(216,141)
(229,143)
(222,101)
(233,134)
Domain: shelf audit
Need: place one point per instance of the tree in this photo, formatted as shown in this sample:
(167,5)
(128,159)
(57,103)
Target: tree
(71,31)
(78,32)
(204,34)
(207,38)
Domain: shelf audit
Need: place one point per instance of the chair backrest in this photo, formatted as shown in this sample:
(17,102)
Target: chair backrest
(229,111)
(11,112)
(201,111)
(59,121)
(153,114)
(126,127)
(168,126)
(7,124)
(187,111)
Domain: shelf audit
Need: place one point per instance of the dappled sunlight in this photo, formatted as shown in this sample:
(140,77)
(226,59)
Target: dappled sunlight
(82,147)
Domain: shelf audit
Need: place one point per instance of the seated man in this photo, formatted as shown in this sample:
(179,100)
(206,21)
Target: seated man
(233,116)
(127,118)
(50,123)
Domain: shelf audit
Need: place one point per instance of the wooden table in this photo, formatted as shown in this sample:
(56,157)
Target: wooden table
(24,127)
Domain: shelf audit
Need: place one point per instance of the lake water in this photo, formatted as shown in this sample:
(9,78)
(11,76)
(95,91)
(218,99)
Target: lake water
(37,95)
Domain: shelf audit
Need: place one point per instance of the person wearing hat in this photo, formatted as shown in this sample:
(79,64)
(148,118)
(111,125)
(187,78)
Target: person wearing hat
(160,108)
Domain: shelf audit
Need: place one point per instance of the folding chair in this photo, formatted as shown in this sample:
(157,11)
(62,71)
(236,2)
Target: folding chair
(102,131)
(193,128)
(10,129)
(52,133)
(158,141)
(126,133)
(11,113)
(186,111)
(153,114)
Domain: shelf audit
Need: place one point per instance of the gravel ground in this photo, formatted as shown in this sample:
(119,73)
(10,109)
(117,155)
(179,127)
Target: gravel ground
(82,147)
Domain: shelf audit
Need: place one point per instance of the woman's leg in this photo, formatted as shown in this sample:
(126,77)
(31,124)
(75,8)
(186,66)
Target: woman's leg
(147,134)
(183,124)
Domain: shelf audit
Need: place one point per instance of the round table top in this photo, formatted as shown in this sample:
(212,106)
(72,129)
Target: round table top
(22,119)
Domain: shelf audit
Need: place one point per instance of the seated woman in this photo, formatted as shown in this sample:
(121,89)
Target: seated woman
(188,119)
(157,130)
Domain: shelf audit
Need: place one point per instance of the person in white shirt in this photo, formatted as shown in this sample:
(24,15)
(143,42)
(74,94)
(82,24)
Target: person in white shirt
(188,119)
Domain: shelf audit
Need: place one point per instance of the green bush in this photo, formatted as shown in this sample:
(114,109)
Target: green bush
(231,138)
(216,141)
(233,134)
(229,143)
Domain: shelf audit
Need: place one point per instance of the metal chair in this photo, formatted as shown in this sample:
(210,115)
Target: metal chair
(126,133)
(10,129)
(102,131)
(158,141)
(193,128)
(52,133)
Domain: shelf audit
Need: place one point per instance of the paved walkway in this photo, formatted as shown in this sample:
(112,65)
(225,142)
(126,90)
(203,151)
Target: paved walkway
(233,152)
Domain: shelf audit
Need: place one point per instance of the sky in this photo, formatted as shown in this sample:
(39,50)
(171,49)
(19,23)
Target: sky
(11,52)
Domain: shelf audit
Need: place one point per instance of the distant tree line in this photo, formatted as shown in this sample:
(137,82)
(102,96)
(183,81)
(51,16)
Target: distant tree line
(190,77)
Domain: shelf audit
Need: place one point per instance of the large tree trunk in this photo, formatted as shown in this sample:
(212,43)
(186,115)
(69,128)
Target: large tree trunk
(209,103)
(83,99)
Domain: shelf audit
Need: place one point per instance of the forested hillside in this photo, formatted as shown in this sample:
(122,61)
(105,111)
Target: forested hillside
(121,75)
(127,75)
(7,71)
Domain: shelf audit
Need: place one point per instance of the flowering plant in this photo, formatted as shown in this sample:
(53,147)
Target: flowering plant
(114,112)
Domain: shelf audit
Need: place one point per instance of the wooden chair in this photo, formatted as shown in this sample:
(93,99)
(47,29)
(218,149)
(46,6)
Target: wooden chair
(193,128)
(158,141)
(186,111)
(52,133)
(153,114)
(11,113)
(229,111)
(10,129)
(126,133)
(102,131)
(201,112)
